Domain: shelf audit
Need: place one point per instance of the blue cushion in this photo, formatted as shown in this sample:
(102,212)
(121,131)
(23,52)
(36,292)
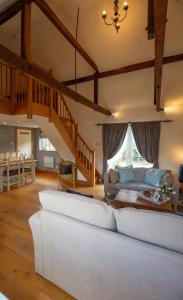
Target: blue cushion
(126,174)
(78,193)
(154,176)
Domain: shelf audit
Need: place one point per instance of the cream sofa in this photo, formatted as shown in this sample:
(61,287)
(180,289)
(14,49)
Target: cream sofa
(95,252)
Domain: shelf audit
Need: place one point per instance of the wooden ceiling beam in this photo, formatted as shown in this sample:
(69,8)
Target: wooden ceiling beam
(125,69)
(12,10)
(49,13)
(150,20)
(26,47)
(160,14)
(18,62)
(96,89)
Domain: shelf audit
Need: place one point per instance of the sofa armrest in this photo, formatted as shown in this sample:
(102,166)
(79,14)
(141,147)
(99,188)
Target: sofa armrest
(176,187)
(172,180)
(106,182)
(106,178)
(167,178)
(35,223)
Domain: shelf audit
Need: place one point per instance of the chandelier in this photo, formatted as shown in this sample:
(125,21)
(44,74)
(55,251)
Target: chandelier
(116,20)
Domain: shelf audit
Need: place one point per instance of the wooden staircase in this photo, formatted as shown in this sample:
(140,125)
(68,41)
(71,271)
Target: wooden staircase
(21,94)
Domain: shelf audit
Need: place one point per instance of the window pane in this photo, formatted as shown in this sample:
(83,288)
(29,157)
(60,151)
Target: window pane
(45,145)
(128,154)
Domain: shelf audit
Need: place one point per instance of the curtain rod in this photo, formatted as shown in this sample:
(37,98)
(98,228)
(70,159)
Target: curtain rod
(161,121)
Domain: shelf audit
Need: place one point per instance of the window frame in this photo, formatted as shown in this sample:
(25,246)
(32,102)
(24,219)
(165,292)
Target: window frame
(129,147)
(41,138)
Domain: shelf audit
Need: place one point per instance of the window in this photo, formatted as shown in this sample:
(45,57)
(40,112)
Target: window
(45,145)
(128,154)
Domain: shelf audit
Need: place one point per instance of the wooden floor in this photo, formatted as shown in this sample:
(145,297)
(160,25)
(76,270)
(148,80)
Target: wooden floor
(17,277)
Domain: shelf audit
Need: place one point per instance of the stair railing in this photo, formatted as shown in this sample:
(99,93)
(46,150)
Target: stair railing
(19,88)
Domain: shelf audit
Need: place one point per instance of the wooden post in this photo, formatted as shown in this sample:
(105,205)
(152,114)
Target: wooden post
(29,97)
(96,89)
(150,20)
(26,33)
(160,12)
(26,51)
(13,89)
(93,168)
(50,104)
(76,145)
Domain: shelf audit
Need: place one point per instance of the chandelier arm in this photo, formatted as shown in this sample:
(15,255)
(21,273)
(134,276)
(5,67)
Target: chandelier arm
(109,24)
(123,17)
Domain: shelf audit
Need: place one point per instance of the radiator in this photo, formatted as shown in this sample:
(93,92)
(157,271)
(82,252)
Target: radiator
(49,162)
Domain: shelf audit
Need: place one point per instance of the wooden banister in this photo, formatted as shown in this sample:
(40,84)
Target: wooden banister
(19,89)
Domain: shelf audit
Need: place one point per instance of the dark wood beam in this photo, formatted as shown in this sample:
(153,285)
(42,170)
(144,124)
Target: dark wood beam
(12,10)
(96,89)
(18,62)
(150,20)
(79,80)
(160,13)
(64,31)
(125,69)
(26,49)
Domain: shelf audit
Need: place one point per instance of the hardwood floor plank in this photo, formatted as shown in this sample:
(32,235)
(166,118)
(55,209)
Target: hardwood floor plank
(25,276)
(13,291)
(18,280)
(55,293)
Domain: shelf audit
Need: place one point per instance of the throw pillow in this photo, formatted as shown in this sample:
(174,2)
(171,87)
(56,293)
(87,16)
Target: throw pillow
(126,174)
(154,176)
(140,174)
(114,176)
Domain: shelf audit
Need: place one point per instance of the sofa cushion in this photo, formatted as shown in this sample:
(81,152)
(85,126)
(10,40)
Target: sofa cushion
(158,228)
(78,207)
(140,174)
(154,176)
(126,174)
(134,185)
(113,176)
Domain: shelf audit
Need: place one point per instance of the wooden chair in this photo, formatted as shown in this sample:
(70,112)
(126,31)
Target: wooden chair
(28,170)
(11,174)
(66,174)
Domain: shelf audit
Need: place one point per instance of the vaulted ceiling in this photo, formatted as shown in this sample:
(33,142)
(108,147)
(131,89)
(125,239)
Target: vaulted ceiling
(107,49)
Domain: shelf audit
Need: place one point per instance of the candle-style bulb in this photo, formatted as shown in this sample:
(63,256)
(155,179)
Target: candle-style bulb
(125,5)
(104,14)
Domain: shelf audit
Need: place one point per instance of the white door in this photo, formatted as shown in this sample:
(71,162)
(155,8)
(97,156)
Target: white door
(24,142)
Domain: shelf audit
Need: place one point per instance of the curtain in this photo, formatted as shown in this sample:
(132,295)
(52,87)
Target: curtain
(147,139)
(113,136)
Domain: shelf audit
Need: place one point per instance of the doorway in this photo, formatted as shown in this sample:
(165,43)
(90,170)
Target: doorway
(24,141)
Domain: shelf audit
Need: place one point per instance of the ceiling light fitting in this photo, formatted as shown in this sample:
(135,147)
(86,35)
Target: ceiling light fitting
(116,20)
